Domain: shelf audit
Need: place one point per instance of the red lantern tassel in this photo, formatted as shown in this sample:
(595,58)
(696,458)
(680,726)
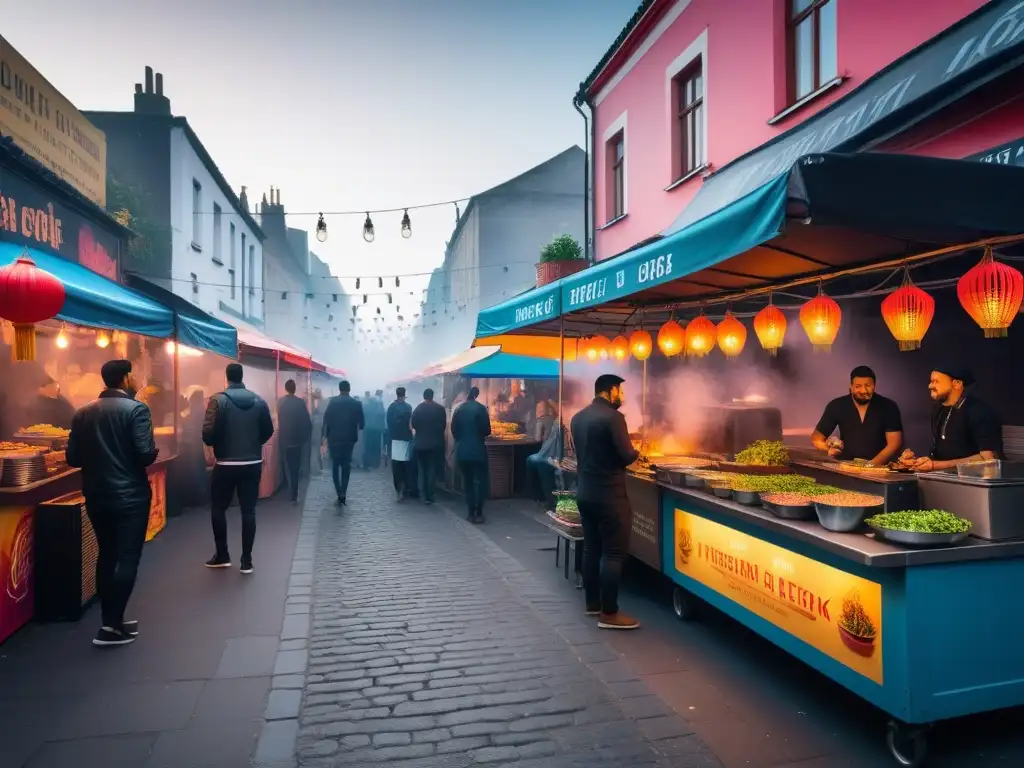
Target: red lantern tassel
(24,342)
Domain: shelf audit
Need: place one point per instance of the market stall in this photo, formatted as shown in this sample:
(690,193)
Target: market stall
(814,554)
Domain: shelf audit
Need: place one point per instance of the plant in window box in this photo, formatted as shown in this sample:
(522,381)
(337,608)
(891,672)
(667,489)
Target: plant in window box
(561,257)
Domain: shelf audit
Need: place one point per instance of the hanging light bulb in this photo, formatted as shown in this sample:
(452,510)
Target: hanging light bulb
(368,229)
(398,283)
(62,341)
(102,340)
(406,225)
(380,282)
(321,229)
(358,281)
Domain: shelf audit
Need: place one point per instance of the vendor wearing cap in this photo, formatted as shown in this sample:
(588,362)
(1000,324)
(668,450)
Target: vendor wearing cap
(870,426)
(964,428)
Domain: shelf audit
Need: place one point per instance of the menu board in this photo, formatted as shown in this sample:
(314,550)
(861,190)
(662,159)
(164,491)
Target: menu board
(831,610)
(17,563)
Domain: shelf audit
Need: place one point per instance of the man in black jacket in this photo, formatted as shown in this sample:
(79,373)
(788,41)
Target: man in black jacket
(340,433)
(428,423)
(471,426)
(293,430)
(112,441)
(398,417)
(603,451)
(237,425)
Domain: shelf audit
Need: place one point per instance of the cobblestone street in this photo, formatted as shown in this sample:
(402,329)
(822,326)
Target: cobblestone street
(431,647)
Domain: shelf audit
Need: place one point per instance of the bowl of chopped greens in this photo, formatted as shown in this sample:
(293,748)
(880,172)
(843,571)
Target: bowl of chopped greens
(761,457)
(920,528)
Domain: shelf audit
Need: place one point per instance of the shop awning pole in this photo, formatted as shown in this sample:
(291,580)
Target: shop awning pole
(561,382)
(177,395)
(643,396)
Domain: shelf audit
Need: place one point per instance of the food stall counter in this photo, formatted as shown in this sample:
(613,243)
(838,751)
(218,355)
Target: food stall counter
(899,489)
(923,634)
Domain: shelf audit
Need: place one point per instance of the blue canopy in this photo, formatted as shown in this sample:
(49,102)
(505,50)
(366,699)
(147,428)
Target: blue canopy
(505,366)
(96,301)
(529,308)
(192,327)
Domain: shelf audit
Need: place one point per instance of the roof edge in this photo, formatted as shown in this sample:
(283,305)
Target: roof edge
(646,6)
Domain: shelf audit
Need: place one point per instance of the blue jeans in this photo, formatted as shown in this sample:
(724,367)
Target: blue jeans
(545,473)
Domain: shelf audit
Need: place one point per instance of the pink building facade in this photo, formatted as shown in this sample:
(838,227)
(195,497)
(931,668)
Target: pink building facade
(692,85)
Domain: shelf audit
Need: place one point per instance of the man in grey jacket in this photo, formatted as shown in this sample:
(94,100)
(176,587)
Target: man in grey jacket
(237,425)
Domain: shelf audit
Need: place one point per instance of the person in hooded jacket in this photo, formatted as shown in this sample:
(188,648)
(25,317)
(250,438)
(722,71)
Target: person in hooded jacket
(237,425)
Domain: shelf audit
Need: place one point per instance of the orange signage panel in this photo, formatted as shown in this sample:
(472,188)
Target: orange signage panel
(834,611)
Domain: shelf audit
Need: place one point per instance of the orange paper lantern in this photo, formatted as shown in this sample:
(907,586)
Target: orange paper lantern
(821,318)
(640,344)
(671,337)
(732,335)
(700,336)
(581,348)
(597,349)
(991,293)
(619,350)
(770,327)
(908,311)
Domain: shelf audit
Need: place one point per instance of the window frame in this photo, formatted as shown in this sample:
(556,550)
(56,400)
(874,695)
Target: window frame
(615,173)
(686,112)
(617,187)
(218,234)
(197,215)
(252,270)
(793,22)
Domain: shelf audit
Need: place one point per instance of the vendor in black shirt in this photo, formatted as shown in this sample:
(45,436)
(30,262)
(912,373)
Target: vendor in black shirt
(964,428)
(870,426)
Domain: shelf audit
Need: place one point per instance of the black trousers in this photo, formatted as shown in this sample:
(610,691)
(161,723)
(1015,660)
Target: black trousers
(341,467)
(120,534)
(545,474)
(605,546)
(427,461)
(292,465)
(404,475)
(475,481)
(226,482)
(372,448)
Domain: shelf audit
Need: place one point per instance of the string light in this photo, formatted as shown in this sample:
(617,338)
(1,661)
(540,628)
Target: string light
(321,229)
(368,234)
(62,340)
(102,340)
(406,225)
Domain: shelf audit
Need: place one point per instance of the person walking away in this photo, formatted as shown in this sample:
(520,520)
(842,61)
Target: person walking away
(471,425)
(603,451)
(294,428)
(428,425)
(112,443)
(343,421)
(399,430)
(237,426)
(386,451)
(192,450)
(374,432)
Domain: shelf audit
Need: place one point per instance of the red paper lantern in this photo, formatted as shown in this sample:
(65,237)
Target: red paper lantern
(701,335)
(991,293)
(619,350)
(908,311)
(732,335)
(28,295)
(770,327)
(821,318)
(670,338)
(640,344)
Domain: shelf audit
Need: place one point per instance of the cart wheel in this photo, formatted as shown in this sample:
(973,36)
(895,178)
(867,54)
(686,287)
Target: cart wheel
(908,744)
(683,603)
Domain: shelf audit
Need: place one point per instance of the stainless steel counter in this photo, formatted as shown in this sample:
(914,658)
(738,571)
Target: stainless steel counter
(899,489)
(857,547)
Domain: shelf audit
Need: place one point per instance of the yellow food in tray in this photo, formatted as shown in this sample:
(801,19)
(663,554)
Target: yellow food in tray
(44,430)
(6,447)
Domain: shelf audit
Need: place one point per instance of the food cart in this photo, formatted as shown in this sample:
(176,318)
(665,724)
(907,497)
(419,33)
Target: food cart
(877,605)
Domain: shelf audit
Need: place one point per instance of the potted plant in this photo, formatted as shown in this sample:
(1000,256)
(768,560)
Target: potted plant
(562,256)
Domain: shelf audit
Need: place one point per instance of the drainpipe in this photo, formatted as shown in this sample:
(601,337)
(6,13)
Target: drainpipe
(576,101)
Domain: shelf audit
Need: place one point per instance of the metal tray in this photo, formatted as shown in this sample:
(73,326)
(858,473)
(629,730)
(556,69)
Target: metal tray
(722,493)
(843,519)
(694,481)
(790,511)
(919,538)
(748,498)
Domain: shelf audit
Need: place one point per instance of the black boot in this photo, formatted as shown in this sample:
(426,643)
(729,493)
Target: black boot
(479,514)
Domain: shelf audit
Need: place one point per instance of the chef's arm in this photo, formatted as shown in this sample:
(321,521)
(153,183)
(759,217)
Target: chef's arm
(893,443)
(819,441)
(931,465)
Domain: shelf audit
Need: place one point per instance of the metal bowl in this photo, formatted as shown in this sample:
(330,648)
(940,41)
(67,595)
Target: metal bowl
(748,498)
(843,519)
(919,538)
(790,511)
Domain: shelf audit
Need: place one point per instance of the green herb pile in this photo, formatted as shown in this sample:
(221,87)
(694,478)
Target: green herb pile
(567,509)
(777,484)
(764,453)
(921,521)
(855,620)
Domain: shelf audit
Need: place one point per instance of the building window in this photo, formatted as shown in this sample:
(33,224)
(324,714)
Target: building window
(252,270)
(232,264)
(217,222)
(812,45)
(689,87)
(617,176)
(197,215)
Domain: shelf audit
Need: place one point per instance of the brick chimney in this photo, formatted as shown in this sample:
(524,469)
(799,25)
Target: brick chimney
(272,217)
(243,200)
(152,101)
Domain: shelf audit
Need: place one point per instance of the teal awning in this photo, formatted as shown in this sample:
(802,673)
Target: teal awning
(506,366)
(96,301)
(534,306)
(748,222)
(193,327)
